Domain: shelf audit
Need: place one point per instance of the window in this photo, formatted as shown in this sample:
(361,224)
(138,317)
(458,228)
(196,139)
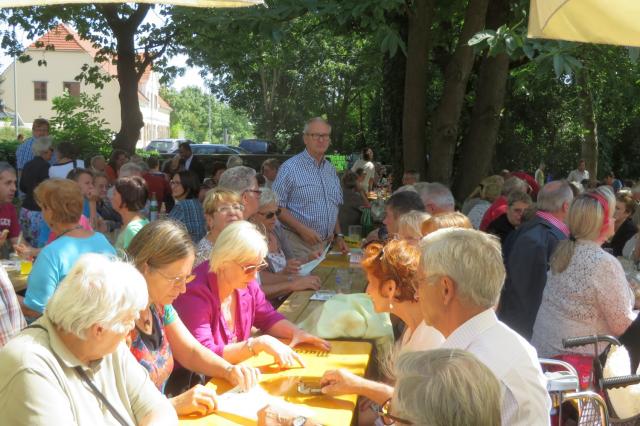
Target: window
(73,87)
(40,90)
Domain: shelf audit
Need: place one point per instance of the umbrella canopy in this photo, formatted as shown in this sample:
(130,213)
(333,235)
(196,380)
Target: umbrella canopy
(192,3)
(591,21)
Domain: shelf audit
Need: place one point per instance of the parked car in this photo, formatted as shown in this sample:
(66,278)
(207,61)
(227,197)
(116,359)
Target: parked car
(165,146)
(259,146)
(215,148)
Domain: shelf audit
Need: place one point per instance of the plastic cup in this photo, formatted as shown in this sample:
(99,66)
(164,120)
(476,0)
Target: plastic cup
(343,281)
(25,267)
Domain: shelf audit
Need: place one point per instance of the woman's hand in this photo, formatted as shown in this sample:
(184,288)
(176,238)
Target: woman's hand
(275,415)
(199,399)
(25,251)
(301,336)
(292,268)
(339,382)
(283,354)
(243,376)
(310,282)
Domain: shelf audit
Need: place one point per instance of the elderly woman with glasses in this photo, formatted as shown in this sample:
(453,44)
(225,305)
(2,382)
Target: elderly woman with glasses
(164,253)
(71,367)
(281,277)
(185,188)
(221,208)
(225,301)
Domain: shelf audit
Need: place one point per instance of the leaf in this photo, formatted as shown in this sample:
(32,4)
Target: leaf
(634,53)
(528,50)
(558,65)
(481,36)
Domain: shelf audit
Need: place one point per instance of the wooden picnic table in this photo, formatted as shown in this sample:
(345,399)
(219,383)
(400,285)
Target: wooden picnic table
(297,307)
(281,384)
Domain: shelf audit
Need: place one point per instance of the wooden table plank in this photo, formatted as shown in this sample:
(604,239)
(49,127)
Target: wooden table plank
(330,411)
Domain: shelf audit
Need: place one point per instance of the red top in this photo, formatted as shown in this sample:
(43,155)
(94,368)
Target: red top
(530,181)
(498,208)
(9,220)
(111,174)
(157,183)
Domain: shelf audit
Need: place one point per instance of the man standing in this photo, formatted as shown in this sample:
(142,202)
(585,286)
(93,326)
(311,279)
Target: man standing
(9,225)
(580,173)
(527,252)
(461,275)
(310,194)
(189,162)
(539,175)
(366,163)
(24,153)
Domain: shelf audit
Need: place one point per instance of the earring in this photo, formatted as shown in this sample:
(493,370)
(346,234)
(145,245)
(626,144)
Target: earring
(390,305)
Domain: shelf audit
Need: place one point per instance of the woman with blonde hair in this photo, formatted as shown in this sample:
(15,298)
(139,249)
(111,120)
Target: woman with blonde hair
(410,225)
(587,292)
(225,301)
(163,253)
(221,207)
(445,220)
(481,199)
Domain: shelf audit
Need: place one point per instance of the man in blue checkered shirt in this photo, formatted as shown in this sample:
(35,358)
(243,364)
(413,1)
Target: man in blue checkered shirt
(310,194)
(24,153)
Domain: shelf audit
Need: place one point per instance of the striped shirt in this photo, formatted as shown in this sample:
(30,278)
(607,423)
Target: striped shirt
(513,361)
(24,153)
(11,319)
(562,227)
(310,191)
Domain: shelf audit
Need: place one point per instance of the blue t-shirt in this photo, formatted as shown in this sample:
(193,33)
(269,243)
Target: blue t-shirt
(54,262)
(43,235)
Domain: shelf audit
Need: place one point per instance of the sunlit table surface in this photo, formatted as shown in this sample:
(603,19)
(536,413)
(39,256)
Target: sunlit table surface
(298,306)
(18,280)
(338,411)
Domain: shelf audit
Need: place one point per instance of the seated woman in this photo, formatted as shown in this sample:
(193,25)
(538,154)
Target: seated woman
(445,220)
(281,277)
(440,387)
(110,217)
(623,225)
(188,210)
(350,211)
(164,253)
(221,207)
(45,371)
(481,199)
(587,292)
(225,301)
(61,204)
(410,225)
(128,198)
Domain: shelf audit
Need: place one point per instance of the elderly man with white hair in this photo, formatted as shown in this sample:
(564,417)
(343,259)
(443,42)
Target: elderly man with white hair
(462,276)
(242,180)
(436,197)
(71,366)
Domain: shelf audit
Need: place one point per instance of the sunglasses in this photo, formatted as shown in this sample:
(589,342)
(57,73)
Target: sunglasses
(270,215)
(252,269)
(388,418)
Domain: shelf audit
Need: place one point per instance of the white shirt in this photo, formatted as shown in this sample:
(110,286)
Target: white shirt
(61,170)
(514,362)
(369,172)
(423,338)
(578,176)
(187,162)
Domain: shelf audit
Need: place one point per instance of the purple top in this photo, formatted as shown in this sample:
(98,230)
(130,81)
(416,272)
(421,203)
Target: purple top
(199,309)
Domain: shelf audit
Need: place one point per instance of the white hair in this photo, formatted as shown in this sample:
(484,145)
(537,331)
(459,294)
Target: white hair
(446,387)
(42,145)
(234,161)
(98,290)
(435,194)
(237,179)
(239,242)
(130,169)
(314,120)
(472,259)
(268,196)
(410,224)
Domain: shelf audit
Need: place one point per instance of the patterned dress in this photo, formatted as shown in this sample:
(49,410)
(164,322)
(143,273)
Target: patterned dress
(153,351)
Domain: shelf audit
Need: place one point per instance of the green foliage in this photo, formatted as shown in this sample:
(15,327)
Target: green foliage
(77,121)
(8,149)
(190,117)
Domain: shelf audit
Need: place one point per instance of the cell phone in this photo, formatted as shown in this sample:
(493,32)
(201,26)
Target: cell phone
(309,388)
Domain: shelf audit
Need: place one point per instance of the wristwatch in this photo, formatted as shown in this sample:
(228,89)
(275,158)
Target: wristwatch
(299,421)
(338,235)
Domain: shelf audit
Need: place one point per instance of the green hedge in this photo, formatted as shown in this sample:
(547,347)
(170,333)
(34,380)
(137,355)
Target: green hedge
(8,151)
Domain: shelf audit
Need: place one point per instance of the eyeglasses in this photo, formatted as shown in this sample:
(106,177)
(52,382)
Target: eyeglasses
(270,215)
(252,269)
(175,182)
(319,136)
(176,281)
(389,419)
(229,208)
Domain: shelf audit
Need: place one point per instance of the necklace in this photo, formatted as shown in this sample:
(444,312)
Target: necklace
(66,231)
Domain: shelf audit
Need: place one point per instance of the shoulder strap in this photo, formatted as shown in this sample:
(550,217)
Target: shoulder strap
(101,397)
(93,387)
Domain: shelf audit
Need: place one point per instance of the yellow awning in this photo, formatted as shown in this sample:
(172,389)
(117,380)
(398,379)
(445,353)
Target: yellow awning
(591,21)
(192,3)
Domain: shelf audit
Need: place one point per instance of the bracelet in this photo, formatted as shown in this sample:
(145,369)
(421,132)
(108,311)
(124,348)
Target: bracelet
(249,343)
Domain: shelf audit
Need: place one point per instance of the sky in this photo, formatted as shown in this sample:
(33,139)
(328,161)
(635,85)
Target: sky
(191,76)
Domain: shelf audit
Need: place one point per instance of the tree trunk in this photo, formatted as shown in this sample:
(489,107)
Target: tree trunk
(415,85)
(393,76)
(589,149)
(445,121)
(479,143)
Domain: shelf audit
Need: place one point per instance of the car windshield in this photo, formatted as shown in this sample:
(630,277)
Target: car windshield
(161,145)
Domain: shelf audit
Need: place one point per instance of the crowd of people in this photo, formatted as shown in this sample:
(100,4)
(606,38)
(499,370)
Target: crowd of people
(148,279)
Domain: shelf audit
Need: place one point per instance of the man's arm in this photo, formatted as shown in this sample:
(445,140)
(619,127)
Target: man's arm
(307,234)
